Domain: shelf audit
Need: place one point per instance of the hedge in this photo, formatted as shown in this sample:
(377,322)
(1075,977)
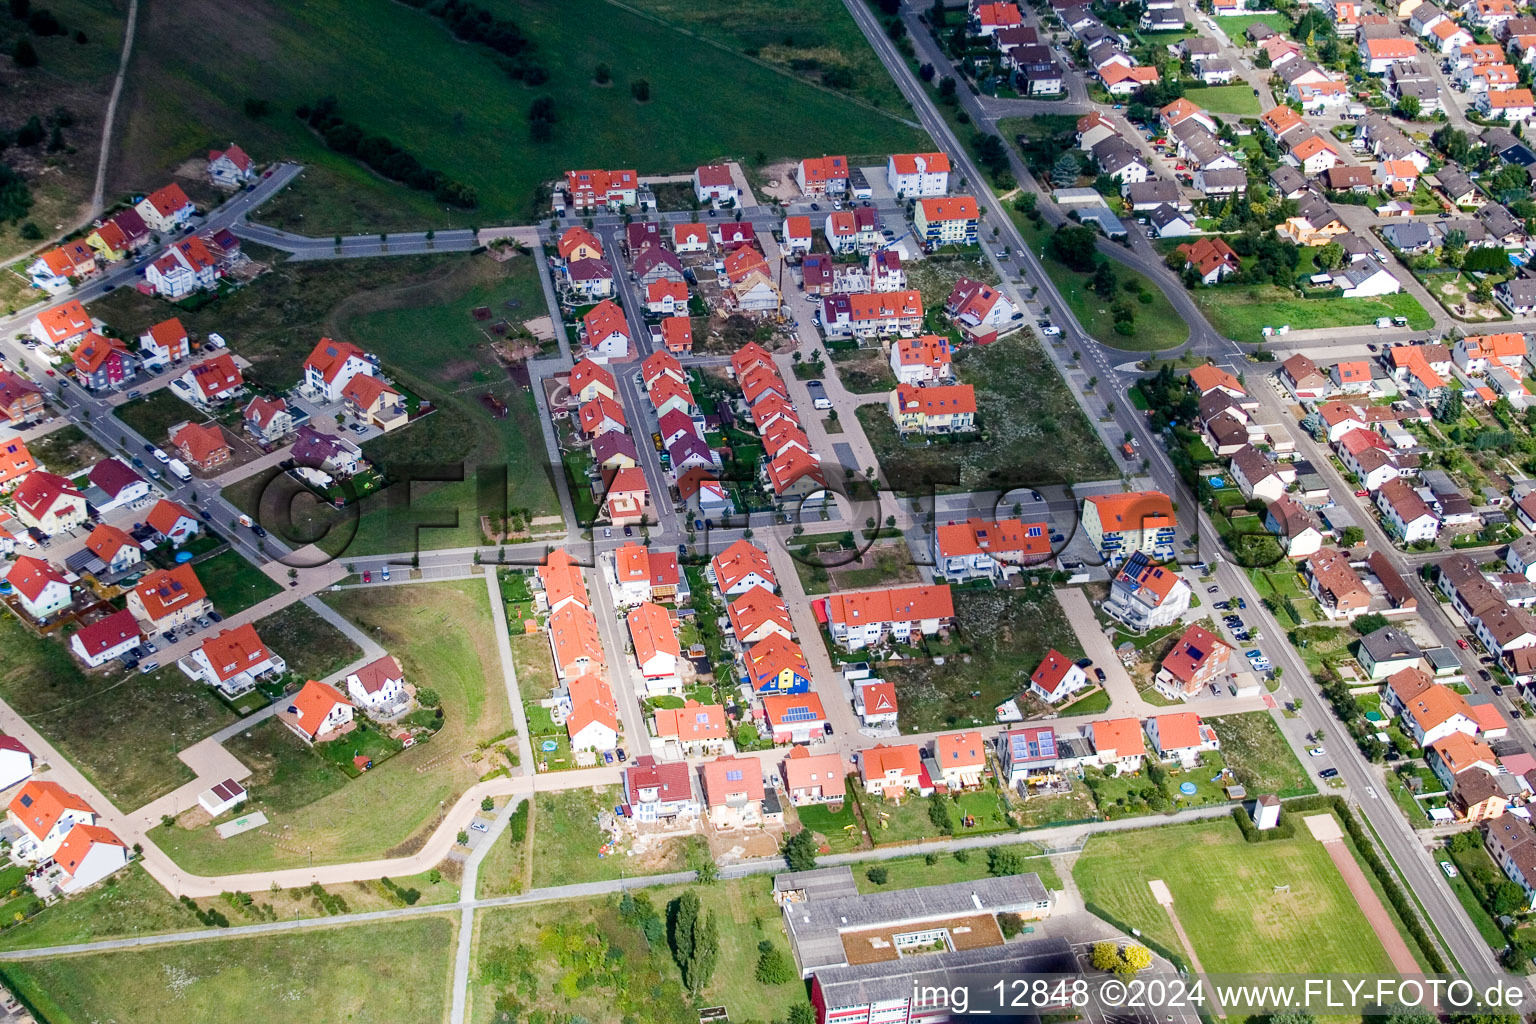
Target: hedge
(1253,834)
(1384,875)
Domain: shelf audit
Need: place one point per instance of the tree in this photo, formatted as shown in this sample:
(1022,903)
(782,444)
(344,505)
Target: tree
(1065,170)
(1134,958)
(1449,410)
(1104,280)
(706,955)
(802,1013)
(1408,108)
(640,89)
(773,966)
(878,874)
(1485,259)
(685,919)
(938,815)
(602,74)
(1005,860)
(1074,245)
(1369,623)
(800,850)
(24,53)
(1331,256)
(542,119)
(1352,535)
(1105,956)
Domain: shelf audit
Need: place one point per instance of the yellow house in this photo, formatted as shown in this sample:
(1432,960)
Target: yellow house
(1120,525)
(110,241)
(941,409)
(372,401)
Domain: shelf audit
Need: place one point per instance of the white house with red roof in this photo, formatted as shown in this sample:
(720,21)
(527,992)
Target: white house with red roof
(166,209)
(186,266)
(15,762)
(922,360)
(658,792)
(991,18)
(48,503)
(232,662)
(823,176)
(693,730)
(589,190)
(331,367)
(1181,737)
(44,812)
(379,687)
(866,618)
(917,175)
(41,590)
(173,522)
(230,168)
(1146,595)
(1196,660)
(875,702)
(268,420)
(983,549)
(591,718)
(88,854)
(63,326)
(112,637)
(962,757)
(213,381)
(114,548)
(713,183)
(741,567)
(167,598)
(1027,754)
(891,771)
(164,343)
(979,311)
(733,791)
(1057,678)
(318,712)
(113,485)
(656,647)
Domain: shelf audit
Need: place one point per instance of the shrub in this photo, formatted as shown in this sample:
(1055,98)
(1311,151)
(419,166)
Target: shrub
(879,875)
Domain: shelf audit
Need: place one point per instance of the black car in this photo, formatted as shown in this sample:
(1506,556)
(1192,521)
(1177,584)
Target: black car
(1498,691)
(150,448)
(1482,674)
(205,514)
(1098,674)
(1084,662)
(1328,773)
(259,531)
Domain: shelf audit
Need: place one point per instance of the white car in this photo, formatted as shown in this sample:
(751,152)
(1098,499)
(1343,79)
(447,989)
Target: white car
(1317,751)
(160,455)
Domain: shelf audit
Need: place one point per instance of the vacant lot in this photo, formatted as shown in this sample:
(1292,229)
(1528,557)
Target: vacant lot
(122,729)
(463,115)
(1003,635)
(1241,924)
(65,451)
(382,973)
(822,568)
(1236,26)
(1032,430)
(1241,312)
(567,821)
(1227,99)
(312,647)
(1254,748)
(233,583)
(441,634)
(592,961)
(154,415)
(130,903)
(864,371)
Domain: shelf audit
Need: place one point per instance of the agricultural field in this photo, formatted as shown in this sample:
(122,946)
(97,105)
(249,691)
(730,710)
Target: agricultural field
(1032,430)
(1241,924)
(440,632)
(398,72)
(380,974)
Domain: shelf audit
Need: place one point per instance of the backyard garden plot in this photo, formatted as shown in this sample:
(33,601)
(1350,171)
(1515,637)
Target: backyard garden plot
(1279,906)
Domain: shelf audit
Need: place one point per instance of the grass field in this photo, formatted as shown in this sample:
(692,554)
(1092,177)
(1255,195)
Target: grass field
(1238,924)
(1227,99)
(415,314)
(1254,748)
(199,69)
(833,825)
(1157,326)
(65,451)
(233,583)
(154,414)
(441,634)
(502,870)
(916,872)
(122,730)
(1236,25)
(566,821)
(586,962)
(1242,311)
(380,974)
(312,647)
(1032,430)
(1003,636)
(130,903)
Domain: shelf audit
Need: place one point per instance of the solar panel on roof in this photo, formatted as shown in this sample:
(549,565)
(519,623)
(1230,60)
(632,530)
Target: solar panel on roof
(733,775)
(800,713)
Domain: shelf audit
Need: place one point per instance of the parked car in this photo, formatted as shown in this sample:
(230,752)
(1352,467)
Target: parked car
(1328,773)
(1317,751)
(479,826)
(1462,643)
(1212,589)
(367,576)
(1098,674)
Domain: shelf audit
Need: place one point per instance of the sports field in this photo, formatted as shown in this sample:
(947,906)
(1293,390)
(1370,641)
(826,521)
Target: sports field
(1224,893)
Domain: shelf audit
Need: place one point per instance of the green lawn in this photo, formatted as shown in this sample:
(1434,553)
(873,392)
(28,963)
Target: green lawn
(122,730)
(129,903)
(65,451)
(1236,25)
(386,972)
(1227,99)
(569,847)
(1003,635)
(501,872)
(1032,430)
(1224,893)
(833,825)
(1157,326)
(1255,749)
(1089,704)
(441,634)
(1241,311)
(916,872)
(234,583)
(312,647)
(363,54)
(154,414)
(587,962)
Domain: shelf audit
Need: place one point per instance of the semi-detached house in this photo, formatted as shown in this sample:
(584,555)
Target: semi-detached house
(904,614)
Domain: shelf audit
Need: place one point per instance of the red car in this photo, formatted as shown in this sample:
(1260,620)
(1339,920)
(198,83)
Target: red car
(367,576)
(49,372)
(1362,494)
(1462,643)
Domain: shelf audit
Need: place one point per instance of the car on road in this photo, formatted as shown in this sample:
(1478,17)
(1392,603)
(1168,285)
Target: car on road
(1482,674)
(1362,494)
(1328,773)
(682,551)
(1462,643)
(384,574)
(629,531)
(827,728)
(367,576)
(1316,751)
(607,531)
(1498,691)
(607,757)
(1057,538)
(1036,495)
(1242,603)
(260,531)
(159,455)
(207,515)
(815,206)
(149,448)
(1050,330)
(656,440)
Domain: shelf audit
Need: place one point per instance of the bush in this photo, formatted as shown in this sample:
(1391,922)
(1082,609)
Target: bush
(1010,923)
(382,155)
(24,53)
(1005,860)
(879,875)
(517,826)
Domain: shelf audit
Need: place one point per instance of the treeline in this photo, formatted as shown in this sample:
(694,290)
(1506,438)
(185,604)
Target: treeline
(474,24)
(383,156)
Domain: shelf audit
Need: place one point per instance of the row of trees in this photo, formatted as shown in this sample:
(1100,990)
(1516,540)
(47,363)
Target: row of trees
(474,24)
(382,155)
